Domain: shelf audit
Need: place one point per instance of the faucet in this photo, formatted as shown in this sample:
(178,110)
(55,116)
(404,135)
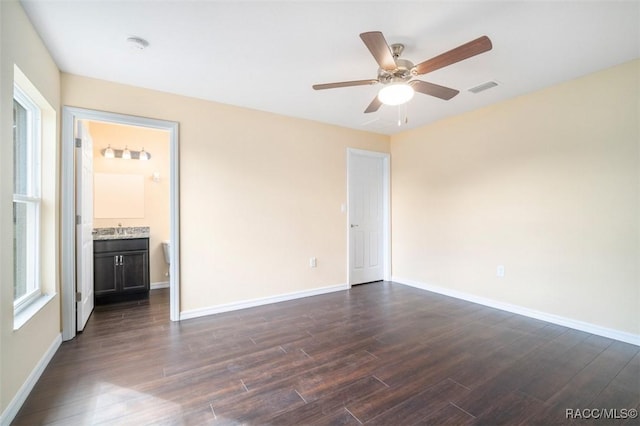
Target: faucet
(119,229)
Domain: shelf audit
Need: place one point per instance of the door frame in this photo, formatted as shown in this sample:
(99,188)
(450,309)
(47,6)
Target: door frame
(386,209)
(68,237)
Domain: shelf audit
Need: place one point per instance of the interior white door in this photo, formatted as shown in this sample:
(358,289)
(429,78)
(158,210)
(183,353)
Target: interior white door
(84,224)
(366,218)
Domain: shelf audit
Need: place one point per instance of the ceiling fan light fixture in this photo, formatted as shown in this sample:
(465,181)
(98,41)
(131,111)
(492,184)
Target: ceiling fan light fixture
(396,94)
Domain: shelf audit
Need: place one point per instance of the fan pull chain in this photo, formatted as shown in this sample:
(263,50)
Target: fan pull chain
(403,117)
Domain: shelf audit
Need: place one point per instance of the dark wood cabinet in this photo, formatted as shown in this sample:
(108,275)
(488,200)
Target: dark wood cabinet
(120,269)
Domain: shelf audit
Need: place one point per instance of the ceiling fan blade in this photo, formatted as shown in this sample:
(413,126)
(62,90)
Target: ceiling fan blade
(441,92)
(377,45)
(373,106)
(460,53)
(343,84)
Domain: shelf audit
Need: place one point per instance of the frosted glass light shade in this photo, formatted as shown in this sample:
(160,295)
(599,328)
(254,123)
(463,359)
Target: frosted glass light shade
(143,155)
(108,153)
(396,94)
(126,154)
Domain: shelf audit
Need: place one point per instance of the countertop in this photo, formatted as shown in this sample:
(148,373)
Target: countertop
(121,233)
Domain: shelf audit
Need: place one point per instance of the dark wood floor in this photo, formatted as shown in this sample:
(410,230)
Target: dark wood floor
(380,353)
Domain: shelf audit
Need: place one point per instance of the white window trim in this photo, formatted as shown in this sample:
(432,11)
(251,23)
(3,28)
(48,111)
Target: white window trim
(33,198)
(28,311)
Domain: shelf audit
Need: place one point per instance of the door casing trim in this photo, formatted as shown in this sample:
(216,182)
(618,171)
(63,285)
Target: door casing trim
(67,226)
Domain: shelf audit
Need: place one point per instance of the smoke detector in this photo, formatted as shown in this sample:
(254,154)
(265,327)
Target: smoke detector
(137,43)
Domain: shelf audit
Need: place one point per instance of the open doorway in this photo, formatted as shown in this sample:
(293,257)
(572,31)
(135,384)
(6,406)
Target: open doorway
(105,127)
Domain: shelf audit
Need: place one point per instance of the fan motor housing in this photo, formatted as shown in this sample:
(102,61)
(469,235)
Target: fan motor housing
(404,71)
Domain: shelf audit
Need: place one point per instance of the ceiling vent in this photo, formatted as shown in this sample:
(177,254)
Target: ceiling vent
(484,86)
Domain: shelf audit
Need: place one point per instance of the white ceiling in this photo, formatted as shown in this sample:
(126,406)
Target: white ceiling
(266,55)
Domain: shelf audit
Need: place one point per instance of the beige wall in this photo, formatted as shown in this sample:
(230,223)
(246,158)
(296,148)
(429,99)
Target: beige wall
(259,193)
(546,184)
(156,194)
(21,350)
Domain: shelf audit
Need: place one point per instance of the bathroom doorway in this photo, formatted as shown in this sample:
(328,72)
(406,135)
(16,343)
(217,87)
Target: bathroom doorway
(141,138)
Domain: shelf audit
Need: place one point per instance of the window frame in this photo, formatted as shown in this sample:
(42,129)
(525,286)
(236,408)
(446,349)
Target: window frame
(32,198)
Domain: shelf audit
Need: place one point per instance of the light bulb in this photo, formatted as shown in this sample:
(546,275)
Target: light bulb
(144,155)
(126,154)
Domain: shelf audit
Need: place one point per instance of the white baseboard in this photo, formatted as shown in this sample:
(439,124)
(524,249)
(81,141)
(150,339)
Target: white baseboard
(161,284)
(227,307)
(622,336)
(21,396)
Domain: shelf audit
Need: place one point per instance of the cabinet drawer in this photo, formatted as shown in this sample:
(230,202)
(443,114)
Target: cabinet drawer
(103,246)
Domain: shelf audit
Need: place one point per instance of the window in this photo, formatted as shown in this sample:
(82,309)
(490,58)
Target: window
(26,199)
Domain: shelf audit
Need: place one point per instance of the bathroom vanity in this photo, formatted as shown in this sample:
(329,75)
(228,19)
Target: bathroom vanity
(120,264)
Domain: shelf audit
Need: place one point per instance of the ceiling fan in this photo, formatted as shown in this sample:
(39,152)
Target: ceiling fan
(397,74)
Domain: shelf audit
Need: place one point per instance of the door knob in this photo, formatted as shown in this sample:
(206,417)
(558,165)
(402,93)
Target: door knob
(354,226)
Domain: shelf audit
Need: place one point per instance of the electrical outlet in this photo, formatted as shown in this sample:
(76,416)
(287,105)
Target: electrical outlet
(500,271)
(313,262)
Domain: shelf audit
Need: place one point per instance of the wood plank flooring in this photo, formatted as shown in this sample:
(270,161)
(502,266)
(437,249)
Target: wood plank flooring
(381,353)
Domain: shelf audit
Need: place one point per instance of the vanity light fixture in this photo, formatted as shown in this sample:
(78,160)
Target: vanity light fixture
(125,154)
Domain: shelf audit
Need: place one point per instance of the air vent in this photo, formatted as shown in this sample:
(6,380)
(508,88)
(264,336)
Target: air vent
(484,86)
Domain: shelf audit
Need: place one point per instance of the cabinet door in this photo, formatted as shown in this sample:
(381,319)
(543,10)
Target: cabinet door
(105,272)
(135,271)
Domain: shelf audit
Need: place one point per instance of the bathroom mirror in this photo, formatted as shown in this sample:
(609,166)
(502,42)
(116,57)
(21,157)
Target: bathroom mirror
(118,196)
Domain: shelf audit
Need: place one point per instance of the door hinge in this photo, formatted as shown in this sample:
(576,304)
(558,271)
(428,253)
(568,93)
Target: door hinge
(78,143)
(78,296)
(78,219)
